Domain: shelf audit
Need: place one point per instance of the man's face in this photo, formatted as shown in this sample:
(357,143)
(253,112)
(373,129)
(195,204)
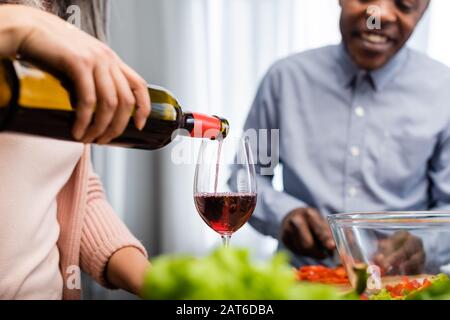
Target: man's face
(371,49)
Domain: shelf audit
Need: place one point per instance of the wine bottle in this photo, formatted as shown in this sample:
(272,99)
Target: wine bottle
(33,101)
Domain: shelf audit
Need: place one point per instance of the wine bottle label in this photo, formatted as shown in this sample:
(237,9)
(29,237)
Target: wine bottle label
(40,90)
(5,90)
(206,126)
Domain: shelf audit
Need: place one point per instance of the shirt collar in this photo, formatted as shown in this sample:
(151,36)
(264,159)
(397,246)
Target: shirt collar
(380,77)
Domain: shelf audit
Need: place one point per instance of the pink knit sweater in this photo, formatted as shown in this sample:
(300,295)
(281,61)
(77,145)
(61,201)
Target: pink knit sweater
(90,230)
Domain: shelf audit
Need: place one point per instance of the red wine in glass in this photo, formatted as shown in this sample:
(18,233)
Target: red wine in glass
(225,212)
(225,191)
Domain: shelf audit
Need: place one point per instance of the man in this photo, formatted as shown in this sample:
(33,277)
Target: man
(364,126)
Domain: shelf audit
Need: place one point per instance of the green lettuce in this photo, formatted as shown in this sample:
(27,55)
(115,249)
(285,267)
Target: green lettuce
(438,290)
(229,273)
(382,295)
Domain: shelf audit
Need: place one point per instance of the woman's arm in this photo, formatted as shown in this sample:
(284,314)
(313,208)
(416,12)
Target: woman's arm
(102,81)
(109,253)
(126,270)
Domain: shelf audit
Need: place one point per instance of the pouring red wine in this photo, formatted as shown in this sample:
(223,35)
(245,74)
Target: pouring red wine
(225,207)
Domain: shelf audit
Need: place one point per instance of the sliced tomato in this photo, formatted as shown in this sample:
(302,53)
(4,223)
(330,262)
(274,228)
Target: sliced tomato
(398,291)
(364,297)
(407,286)
(426,283)
(322,274)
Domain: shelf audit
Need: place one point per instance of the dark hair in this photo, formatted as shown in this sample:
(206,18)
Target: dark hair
(94,15)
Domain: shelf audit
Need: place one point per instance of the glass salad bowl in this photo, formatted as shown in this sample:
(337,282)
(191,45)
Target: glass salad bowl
(379,250)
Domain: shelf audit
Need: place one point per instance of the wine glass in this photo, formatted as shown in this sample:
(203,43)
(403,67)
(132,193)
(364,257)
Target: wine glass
(225,185)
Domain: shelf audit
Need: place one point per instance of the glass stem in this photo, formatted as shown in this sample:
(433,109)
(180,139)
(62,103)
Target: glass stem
(226,240)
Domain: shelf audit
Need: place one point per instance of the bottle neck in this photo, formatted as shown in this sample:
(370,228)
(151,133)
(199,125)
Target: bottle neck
(203,126)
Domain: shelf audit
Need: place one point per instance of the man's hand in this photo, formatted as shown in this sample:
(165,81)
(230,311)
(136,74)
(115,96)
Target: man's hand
(401,253)
(102,81)
(305,232)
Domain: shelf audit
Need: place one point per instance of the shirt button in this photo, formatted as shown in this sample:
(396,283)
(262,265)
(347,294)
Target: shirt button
(360,112)
(355,151)
(352,192)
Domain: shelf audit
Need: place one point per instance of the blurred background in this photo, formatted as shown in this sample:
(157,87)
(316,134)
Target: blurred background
(211,54)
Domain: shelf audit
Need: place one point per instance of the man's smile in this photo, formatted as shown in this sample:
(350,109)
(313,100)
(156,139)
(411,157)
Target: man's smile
(371,48)
(374,41)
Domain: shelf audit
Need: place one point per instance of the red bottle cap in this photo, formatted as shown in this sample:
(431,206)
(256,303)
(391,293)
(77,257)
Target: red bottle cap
(206,126)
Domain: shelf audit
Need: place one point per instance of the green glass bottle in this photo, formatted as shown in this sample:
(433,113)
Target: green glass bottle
(35,102)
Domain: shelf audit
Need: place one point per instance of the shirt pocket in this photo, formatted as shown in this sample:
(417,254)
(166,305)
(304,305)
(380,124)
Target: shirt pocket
(403,159)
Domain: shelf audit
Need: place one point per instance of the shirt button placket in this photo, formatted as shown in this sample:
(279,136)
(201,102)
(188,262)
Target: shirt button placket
(360,112)
(354,151)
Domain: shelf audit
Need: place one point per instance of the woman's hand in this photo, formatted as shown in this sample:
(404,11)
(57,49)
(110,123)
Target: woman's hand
(126,270)
(101,79)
